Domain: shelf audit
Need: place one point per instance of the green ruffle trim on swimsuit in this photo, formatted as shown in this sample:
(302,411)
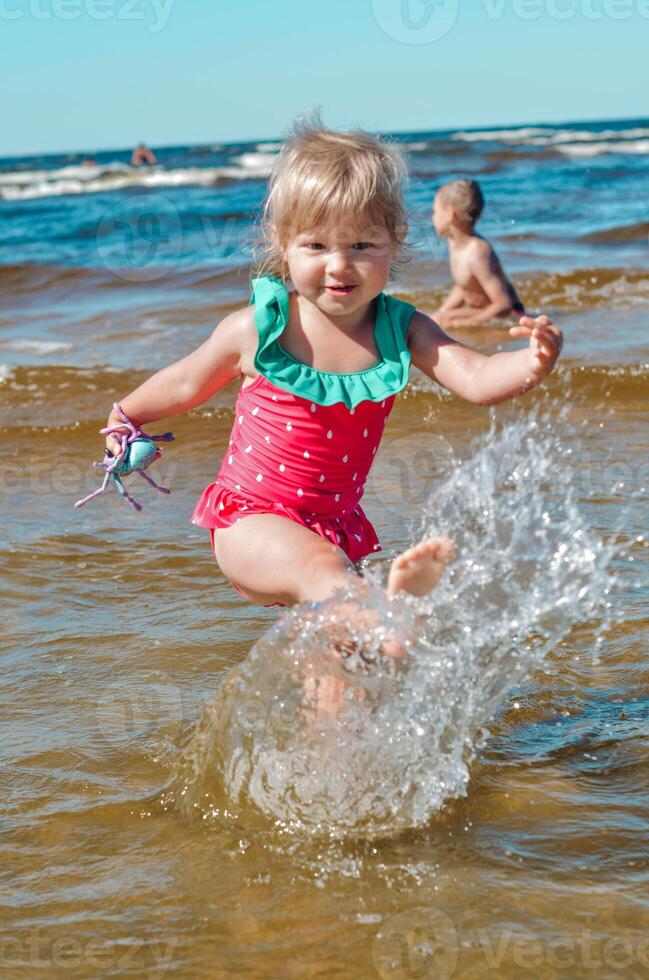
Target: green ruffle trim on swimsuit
(388,377)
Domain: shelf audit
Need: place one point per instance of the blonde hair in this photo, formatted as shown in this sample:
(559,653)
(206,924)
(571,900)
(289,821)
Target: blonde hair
(320,173)
(465,196)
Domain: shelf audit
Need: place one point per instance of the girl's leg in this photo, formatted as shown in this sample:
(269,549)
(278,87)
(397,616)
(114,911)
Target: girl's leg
(271,559)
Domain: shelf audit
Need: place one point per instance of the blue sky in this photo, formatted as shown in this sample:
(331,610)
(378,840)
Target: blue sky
(92,74)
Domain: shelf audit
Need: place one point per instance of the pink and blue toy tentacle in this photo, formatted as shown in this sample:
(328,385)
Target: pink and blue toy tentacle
(124,492)
(152,482)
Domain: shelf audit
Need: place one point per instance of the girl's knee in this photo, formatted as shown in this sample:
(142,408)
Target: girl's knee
(323,576)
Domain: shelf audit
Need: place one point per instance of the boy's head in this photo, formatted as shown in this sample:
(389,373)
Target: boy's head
(459,203)
(322,177)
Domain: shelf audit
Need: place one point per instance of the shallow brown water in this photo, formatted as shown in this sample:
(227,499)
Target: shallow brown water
(118,628)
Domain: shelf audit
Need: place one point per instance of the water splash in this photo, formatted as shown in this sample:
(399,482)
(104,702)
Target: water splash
(365,740)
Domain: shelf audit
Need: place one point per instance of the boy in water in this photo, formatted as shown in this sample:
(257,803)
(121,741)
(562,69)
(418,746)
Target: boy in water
(482,291)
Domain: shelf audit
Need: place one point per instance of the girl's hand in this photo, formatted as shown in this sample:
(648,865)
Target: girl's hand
(546,341)
(113,445)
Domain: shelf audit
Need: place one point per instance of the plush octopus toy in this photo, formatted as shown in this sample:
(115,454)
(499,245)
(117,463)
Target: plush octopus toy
(138,451)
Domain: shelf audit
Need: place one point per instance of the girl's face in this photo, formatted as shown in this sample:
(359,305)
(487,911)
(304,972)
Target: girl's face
(342,266)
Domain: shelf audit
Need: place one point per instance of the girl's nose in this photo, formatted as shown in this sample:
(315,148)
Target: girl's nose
(338,260)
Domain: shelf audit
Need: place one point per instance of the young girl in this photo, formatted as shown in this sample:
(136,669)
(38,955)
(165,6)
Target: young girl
(321,361)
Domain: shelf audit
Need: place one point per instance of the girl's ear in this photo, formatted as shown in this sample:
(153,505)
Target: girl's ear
(281,251)
(277,243)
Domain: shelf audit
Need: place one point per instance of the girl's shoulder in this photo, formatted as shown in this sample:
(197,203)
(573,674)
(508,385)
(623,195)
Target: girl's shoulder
(241,327)
(425,339)
(420,324)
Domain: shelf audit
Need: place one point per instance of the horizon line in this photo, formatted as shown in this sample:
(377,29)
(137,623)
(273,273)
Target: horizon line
(388,132)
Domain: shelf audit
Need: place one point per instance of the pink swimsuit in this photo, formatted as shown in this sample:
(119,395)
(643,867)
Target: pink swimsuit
(303,440)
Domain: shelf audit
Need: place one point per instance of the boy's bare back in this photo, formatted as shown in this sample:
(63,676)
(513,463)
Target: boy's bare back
(481,290)
(477,270)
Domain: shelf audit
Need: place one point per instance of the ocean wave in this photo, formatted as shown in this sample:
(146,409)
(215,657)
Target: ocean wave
(622,385)
(570,142)
(549,136)
(255,164)
(597,149)
(585,289)
(591,136)
(56,396)
(38,347)
(30,184)
(31,279)
(621,234)
(39,399)
(573,291)
(80,172)
(499,135)
(66,383)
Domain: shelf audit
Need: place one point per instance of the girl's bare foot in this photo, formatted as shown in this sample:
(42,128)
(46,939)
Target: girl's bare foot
(418,570)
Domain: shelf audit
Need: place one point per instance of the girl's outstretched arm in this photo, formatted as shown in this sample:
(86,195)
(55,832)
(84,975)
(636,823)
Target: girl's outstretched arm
(482,379)
(191,381)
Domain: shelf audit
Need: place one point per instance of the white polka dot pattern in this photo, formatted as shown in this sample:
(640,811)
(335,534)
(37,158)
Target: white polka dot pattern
(286,453)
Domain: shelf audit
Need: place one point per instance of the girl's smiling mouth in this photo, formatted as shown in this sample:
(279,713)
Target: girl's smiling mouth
(340,290)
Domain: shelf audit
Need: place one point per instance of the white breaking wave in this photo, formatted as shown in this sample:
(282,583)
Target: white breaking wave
(258,164)
(23,185)
(597,149)
(501,135)
(79,172)
(567,140)
(37,346)
(587,136)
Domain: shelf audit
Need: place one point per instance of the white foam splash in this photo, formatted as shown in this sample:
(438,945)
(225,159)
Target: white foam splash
(404,731)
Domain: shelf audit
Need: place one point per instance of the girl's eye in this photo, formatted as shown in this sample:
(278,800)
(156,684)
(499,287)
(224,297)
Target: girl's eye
(315,246)
(361,246)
